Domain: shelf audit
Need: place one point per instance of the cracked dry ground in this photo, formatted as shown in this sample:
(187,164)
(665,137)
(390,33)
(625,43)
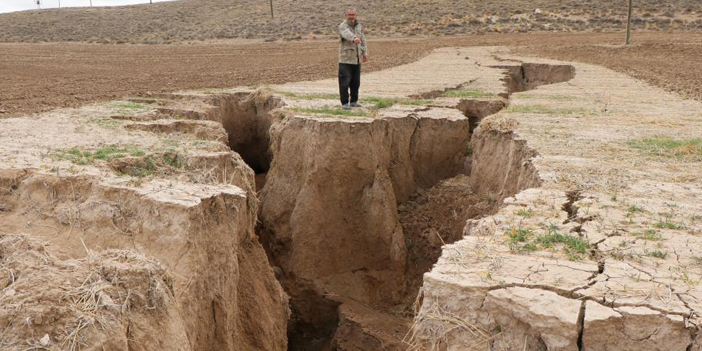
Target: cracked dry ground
(477,201)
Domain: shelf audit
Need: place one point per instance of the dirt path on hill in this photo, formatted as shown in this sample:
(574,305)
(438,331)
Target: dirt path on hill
(40,77)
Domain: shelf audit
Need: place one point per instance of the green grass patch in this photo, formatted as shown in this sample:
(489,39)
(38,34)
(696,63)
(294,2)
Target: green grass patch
(520,235)
(554,97)
(173,160)
(379,102)
(133,106)
(633,209)
(649,234)
(657,254)
(148,169)
(412,102)
(106,122)
(520,240)
(669,147)
(108,153)
(469,151)
(331,111)
(667,223)
(469,94)
(574,246)
(144,98)
(310,96)
(523,241)
(544,110)
(525,212)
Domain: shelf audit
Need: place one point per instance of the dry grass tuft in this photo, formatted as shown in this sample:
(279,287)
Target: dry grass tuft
(499,122)
(432,327)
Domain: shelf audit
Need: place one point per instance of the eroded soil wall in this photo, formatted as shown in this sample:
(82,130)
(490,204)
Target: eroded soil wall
(206,238)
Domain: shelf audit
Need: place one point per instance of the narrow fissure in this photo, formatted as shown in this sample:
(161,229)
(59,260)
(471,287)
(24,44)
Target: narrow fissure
(581,325)
(247,119)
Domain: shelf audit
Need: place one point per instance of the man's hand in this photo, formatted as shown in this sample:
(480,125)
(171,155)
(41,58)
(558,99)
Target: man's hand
(365,58)
(357,40)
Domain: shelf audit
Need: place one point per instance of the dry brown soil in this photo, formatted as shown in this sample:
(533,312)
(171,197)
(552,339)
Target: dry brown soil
(39,77)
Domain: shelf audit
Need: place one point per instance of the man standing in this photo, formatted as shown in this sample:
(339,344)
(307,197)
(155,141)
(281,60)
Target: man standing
(352,51)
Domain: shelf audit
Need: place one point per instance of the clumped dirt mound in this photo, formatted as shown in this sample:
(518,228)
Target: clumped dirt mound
(114,300)
(435,217)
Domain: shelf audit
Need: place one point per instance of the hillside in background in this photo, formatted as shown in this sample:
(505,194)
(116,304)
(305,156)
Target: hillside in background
(196,20)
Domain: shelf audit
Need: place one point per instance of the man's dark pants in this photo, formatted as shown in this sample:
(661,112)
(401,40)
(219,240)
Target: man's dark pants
(349,78)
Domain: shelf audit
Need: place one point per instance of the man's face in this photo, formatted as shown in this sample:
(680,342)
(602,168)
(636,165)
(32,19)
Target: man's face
(351,16)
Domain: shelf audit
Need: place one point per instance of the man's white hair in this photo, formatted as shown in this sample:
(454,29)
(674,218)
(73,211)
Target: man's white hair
(350,8)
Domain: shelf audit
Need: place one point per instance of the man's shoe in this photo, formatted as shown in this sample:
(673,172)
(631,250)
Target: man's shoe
(355,104)
(346,106)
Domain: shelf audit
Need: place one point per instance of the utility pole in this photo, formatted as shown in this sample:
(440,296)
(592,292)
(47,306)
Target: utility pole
(272,9)
(628,23)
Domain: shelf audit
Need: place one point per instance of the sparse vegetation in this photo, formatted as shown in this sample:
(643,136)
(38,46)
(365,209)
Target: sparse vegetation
(669,147)
(331,111)
(144,98)
(225,19)
(554,97)
(545,110)
(172,159)
(413,102)
(107,123)
(649,234)
(667,223)
(139,171)
(469,150)
(380,102)
(468,94)
(633,209)
(524,241)
(310,96)
(574,246)
(133,106)
(657,254)
(525,212)
(108,153)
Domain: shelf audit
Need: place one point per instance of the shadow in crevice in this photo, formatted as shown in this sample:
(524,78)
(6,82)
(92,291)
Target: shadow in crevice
(247,118)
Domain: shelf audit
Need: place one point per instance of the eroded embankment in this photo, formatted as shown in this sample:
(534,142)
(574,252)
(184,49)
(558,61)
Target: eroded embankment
(203,235)
(188,203)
